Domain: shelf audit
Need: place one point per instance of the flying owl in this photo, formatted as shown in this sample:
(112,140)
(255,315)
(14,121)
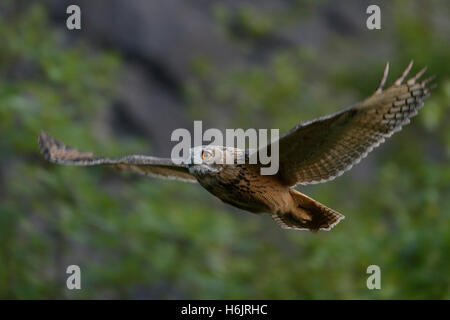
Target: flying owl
(314,151)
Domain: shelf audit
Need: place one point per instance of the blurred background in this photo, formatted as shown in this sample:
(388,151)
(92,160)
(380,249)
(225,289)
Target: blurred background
(139,69)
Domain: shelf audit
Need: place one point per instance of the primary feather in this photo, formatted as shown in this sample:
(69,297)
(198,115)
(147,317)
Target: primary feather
(319,150)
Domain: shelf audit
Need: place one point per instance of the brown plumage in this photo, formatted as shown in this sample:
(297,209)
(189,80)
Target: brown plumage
(313,151)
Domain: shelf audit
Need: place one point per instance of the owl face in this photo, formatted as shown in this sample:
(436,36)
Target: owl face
(207,155)
(211,159)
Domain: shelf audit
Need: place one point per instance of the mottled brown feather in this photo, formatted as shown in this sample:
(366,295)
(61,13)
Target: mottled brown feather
(319,150)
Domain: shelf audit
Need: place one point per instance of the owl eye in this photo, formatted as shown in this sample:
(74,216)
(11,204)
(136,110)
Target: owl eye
(206,155)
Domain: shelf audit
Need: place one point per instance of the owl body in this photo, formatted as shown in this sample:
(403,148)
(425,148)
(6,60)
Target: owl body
(242,186)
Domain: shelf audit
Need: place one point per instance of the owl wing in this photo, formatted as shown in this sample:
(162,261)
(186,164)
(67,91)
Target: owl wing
(322,149)
(56,152)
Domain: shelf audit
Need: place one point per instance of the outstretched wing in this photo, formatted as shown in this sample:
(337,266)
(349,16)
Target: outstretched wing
(56,152)
(319,150)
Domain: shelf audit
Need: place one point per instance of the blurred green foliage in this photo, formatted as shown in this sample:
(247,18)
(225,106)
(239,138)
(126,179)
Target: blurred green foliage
(134,237)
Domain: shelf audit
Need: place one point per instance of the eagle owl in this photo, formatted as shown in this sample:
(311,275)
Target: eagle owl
(313,151)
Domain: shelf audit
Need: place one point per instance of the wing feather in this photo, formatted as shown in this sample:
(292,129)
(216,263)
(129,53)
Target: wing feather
(56,152)
(322,149)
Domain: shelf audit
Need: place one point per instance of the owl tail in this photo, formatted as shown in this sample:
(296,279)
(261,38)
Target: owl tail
(308,214)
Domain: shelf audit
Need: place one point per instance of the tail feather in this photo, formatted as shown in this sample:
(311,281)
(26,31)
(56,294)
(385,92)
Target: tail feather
(308,214)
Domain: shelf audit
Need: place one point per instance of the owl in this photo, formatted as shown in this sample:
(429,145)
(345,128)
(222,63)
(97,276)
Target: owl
(314,151)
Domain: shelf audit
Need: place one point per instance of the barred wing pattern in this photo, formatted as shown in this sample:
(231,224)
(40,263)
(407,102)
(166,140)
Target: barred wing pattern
(322,149)
(56,152)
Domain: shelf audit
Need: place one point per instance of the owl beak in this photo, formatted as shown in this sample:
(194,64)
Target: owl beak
(187,162)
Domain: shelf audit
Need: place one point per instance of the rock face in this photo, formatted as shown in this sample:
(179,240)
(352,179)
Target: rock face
(159,41)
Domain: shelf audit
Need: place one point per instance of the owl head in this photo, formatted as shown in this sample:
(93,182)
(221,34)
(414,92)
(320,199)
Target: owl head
(212,158)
